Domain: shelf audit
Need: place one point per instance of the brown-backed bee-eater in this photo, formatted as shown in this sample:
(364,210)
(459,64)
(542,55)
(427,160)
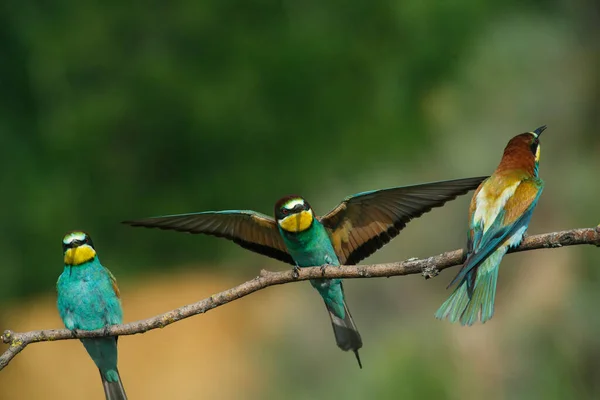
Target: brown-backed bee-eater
(499,215)
(352,231)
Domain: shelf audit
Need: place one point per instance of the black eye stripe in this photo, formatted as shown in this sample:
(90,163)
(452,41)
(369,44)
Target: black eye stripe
(534,146)
(76,243)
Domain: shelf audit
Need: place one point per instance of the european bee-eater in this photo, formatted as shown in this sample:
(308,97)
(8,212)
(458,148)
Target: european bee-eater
(89,299)
(352,231)
(499,215)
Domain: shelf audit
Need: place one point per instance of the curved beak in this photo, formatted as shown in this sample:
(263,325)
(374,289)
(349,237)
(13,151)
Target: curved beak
(539,130)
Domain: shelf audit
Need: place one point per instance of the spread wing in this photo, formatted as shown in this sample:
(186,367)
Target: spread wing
(365,222)
(516,212)
(249,229)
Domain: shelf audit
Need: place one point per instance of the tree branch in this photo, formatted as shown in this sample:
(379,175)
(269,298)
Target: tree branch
(428,267)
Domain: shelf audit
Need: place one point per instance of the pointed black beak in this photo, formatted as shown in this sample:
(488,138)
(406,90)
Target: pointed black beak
(539,130)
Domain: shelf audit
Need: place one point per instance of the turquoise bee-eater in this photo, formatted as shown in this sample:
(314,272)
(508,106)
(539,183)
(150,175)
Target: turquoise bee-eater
(352,231)
(89,299)
(499,215)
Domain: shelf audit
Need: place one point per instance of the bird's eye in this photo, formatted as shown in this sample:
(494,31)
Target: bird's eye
(284,211)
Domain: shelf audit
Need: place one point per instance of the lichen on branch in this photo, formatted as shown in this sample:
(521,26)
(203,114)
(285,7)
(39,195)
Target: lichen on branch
(428,267)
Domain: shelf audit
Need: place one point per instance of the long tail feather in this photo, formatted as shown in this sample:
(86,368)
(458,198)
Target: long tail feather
(113,387)
(468,307)
(455,305)
(481,305)
(346,333)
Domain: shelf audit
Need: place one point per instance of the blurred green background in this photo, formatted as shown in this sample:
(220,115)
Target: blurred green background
(112,111)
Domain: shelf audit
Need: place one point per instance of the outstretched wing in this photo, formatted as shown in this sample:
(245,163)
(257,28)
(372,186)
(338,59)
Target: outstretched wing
(365,222)
(515,213)
(249,229)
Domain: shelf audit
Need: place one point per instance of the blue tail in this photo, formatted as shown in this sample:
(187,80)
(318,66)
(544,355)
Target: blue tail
(344,328)
(483,298)
(113,387)
(479,306)
(104,353)
(455,305)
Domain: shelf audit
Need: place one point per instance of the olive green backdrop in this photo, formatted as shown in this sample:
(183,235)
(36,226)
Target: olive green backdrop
(111,111)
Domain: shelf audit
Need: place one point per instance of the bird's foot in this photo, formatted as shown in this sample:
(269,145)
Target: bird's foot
(74,332)
(295,272)
(323,268)
(106,330)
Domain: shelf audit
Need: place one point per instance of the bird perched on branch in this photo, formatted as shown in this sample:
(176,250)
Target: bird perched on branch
(89,299)
(499,215)
(352,231)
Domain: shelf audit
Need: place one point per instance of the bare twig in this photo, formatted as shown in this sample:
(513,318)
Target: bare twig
(428,267)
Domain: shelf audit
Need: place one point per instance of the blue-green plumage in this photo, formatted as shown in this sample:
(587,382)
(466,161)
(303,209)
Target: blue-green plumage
(353,230)
(88,299)
(500,212)
(311,247)
(474,298)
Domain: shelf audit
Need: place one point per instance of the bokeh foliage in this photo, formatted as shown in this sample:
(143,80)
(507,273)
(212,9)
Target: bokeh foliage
(113,110)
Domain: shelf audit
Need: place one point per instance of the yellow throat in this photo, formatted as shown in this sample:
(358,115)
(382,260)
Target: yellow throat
(79,255)
(297,222)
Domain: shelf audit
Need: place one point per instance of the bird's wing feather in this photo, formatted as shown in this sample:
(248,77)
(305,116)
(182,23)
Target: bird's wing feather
(365,222)
(113,282)
(249,229)
(516,210)
(474,235)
